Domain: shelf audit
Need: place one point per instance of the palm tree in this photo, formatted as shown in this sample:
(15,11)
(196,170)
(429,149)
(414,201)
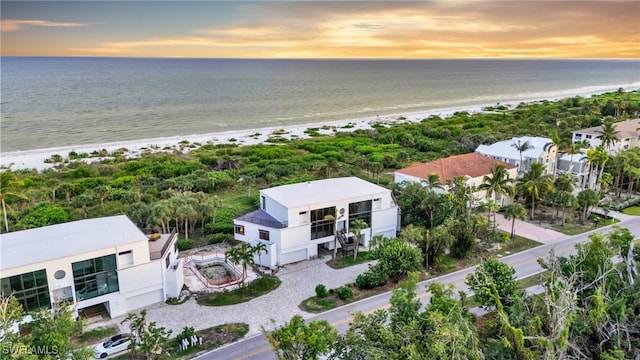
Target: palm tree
(433,182)
(608,134)
(573,149)
(512,212)
(497,183)
(559,143)
(242,255)
(161,214)
(356,227)
(534,184)
(258,249)
(8,186)
(521,147)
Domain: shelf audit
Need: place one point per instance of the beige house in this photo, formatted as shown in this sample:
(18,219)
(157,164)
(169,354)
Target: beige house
(473,166)
(628,133)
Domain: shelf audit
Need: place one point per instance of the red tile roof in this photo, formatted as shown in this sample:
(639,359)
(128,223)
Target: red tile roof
(471,165)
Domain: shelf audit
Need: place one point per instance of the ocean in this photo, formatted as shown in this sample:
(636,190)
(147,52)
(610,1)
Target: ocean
(50,102)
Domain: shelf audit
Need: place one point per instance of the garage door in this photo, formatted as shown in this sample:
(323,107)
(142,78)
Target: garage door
(293,256)
(143,300)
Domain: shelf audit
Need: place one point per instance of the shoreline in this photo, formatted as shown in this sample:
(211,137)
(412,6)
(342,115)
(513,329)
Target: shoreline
(35,159)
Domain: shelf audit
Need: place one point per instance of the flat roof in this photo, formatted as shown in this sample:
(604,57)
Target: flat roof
(32,246)
(321,191)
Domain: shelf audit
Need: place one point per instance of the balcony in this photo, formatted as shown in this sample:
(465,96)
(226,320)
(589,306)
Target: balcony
(158,248)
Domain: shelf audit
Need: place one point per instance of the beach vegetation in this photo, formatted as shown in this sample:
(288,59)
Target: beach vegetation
(135,186)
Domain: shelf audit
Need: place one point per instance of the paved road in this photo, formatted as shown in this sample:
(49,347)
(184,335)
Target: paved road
(525,263)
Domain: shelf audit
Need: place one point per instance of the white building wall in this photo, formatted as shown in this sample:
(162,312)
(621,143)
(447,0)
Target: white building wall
(273,207)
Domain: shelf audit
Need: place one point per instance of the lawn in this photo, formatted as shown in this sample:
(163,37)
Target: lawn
(343,262)
(254,289)
(95,335)
(519,244)
(632,210)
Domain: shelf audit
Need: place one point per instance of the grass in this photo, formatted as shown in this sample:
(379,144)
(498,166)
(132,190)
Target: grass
(254,289)
(515,246)
(343,262)
(632,210)
(92,336)
(212,338)
(314,304)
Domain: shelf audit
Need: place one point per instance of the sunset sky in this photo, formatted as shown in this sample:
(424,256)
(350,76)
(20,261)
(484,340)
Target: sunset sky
(323,29)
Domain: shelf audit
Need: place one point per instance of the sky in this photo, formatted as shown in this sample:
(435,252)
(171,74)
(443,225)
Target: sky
(322,29)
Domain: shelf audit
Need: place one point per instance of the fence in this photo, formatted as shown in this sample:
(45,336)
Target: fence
(191,261)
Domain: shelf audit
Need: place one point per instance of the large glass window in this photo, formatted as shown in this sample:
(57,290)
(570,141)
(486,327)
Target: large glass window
(31,289)
(323,222)
(360,210)
(95,277)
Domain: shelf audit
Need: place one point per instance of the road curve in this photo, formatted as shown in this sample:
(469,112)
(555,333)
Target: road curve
(525,263)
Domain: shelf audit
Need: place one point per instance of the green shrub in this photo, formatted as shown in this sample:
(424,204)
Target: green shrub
(344,292)
(321,291)
(184,244)
(187,333)
(219,238)
(371,278)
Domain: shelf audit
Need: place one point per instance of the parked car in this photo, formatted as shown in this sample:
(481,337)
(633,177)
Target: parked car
(114,344)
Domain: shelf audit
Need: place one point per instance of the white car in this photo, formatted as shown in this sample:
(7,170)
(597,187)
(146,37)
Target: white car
(114,344)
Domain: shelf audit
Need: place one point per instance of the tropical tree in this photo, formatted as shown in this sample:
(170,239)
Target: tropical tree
(498,183)
(299,340)
(514,212)
(494,274)
(356,227)
(587,199)
(560,145)
(433,182)
(242,255)
(8,190)
(521,147)
(608,134)
(533,184)
(258,249)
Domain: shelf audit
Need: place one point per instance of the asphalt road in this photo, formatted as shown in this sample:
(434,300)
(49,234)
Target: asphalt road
(525,263)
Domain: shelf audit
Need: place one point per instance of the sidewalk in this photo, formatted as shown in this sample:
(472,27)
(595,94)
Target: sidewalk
(529,231)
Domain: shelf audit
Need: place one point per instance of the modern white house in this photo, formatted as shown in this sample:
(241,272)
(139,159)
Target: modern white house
(473,166)
(628,133)
(95,263)
(294,220)
(540,150)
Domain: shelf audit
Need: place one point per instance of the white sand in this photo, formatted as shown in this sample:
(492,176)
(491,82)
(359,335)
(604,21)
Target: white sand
(35,159)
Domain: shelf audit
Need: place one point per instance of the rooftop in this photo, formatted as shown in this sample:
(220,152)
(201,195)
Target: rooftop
(507,148)
(57,241)
(322,191)
(471,165)
(626,129)
(261,217)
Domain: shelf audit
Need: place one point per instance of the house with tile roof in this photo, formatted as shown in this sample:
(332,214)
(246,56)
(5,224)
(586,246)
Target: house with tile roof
(473,166)
(102,264)
(540,150)
(294,220)
(628,133)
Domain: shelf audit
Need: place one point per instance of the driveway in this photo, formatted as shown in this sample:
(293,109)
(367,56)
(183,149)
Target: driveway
(530,231)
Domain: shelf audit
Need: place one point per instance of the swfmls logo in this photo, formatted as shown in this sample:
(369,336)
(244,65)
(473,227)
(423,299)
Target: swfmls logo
(13,349)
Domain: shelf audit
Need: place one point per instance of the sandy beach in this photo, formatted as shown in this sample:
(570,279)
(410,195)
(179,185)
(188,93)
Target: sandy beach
(36,159)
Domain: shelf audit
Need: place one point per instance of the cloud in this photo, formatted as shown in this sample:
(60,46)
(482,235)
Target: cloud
(15,25)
